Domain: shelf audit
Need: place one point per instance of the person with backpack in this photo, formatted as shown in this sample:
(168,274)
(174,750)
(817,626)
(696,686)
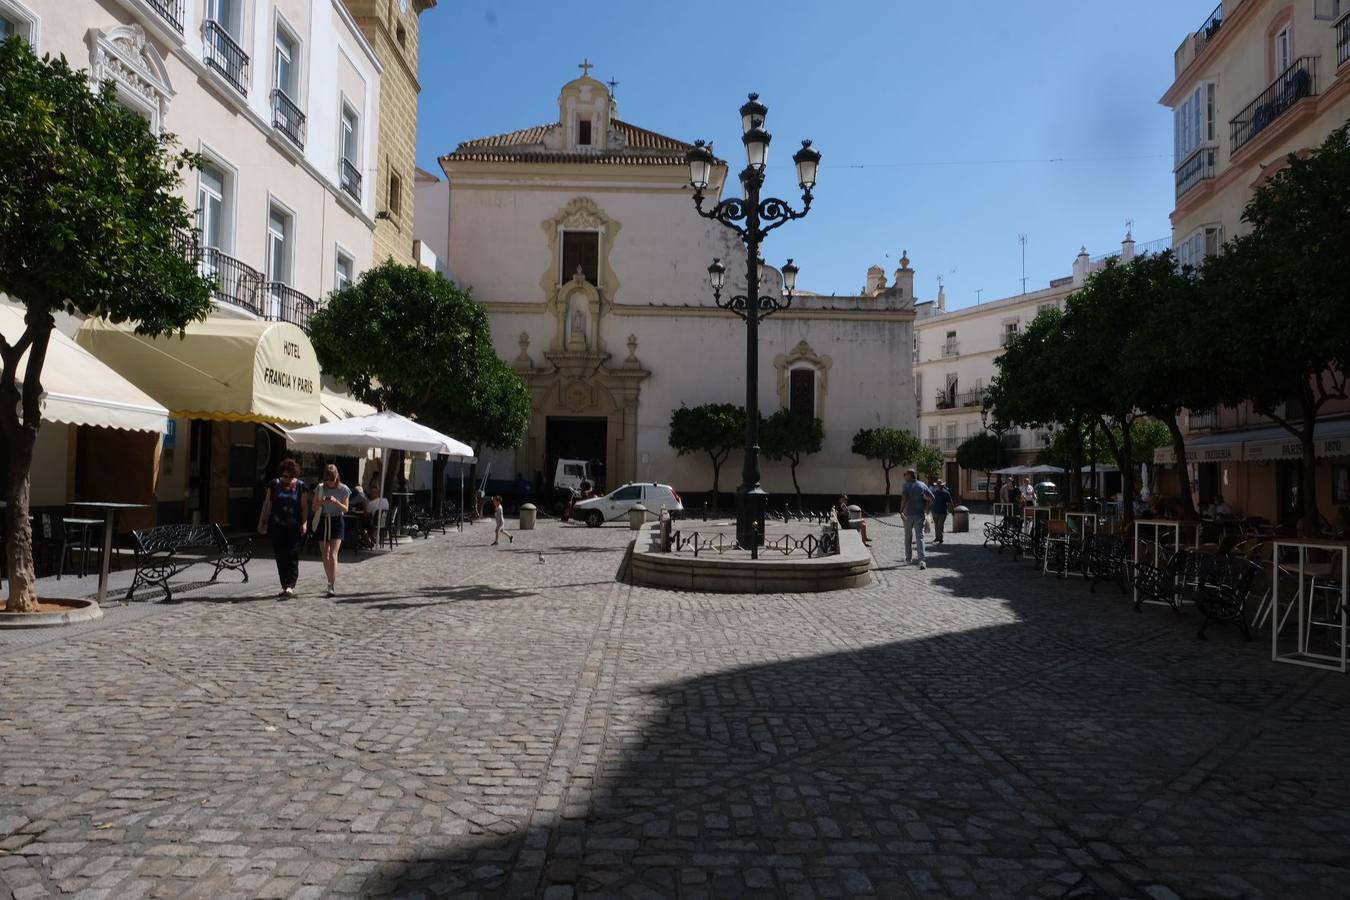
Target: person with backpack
(942,503)
(284,518)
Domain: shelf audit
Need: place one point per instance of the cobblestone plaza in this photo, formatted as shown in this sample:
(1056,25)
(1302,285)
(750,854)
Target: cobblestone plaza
(467,720)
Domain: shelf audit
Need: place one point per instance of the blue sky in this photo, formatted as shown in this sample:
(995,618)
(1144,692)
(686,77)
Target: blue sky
(938,121)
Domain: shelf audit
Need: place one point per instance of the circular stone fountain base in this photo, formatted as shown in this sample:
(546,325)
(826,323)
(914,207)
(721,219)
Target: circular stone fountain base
(734,572)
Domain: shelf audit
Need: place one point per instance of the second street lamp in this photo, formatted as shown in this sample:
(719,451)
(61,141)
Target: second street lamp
(752,218)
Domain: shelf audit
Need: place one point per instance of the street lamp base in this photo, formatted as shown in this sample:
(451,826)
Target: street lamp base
(751,501)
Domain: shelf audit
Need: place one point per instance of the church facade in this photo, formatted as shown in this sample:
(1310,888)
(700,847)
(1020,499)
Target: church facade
(580,239)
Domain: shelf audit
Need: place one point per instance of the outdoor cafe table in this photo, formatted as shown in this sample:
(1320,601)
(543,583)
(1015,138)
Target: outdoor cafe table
(1303,601)
(110,510)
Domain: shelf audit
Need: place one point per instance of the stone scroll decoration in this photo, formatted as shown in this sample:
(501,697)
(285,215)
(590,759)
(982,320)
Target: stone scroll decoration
(125,57)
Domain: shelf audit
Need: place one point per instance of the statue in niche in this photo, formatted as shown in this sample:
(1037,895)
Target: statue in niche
(577,335)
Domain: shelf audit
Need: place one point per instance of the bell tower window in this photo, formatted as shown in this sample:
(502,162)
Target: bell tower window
(580,248)
(584,133)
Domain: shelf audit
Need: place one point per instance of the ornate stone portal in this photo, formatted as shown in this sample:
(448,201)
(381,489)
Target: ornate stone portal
(576,381)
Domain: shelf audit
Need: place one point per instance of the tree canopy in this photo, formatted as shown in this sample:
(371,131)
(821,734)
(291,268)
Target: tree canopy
(890,447)
(928,463)
(408,340)
(90,224)
(712,428)
(789,436)
(1283,289)
(980,453)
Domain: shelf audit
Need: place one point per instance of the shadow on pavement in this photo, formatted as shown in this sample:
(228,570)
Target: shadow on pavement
(1017,738)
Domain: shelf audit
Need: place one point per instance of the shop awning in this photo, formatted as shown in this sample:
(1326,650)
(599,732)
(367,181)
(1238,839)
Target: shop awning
(78,389)
(1206,448)
(1257,444)
(236,370)
(336,407)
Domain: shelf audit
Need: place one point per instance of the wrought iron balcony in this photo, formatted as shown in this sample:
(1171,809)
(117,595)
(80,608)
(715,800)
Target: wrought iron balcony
(350,177)
(283,303)
(1208,28)
(933,441)
(169,10)
(1343,39)
(287,117)
(1198,167)
(951,348)
(224,55)
(945,400)
(949,443)
(184,243)
(1295,83)
(970,398)
(237,283)
(1012,440)
(1206,419)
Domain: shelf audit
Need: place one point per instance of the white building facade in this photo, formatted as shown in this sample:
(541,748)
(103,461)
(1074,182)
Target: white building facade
(581,240)
(281,98)
(955,354)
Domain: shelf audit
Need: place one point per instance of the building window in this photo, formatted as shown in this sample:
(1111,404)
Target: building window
(284,64)
(401,35)
(395,195)
(349,148)
(1009,333)
(580,248)
(1327,9)
(1193,122)
(1044,307)
(212,213)
(280,237)
(343,274)
(1199,245)
(584,132)
(802,392)
(15,19)
(1284,49)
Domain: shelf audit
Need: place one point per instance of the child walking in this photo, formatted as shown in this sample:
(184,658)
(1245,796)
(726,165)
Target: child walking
(499,514)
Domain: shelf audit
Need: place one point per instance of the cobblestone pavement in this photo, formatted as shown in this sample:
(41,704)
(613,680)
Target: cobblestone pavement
(476,721)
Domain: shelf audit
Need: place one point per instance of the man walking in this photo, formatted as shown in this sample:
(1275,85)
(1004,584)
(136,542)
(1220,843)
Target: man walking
(918,498)
(942,504)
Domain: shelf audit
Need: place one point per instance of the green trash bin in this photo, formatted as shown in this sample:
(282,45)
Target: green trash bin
(1047,494)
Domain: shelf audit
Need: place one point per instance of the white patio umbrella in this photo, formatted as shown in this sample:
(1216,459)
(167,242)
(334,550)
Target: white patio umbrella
(379,431)
(1011,470)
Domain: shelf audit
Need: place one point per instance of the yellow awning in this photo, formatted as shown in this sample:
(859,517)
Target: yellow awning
(237,370)
(78,389)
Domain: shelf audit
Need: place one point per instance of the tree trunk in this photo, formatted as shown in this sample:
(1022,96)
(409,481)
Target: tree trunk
(438,468)
(18,529)
(1311,523)
(1076,467)
(1183,472)
(1126,476)
(1127,461)
(717,478)
(888,489)
(795,486)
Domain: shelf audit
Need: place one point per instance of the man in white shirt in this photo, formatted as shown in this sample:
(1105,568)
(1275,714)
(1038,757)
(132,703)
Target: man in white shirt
(1028,493)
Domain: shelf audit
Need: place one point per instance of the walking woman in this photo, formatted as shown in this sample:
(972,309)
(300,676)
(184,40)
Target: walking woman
(499,514)
(284,516)
(331,498)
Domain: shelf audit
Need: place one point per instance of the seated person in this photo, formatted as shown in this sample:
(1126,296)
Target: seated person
(1221,507)
(357,502)
(375,503)
(843,517)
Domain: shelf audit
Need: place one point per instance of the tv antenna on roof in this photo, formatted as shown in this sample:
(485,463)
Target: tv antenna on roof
(1022,239)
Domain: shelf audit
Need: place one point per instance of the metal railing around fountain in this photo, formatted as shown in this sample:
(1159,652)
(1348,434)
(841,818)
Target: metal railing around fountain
(823,543)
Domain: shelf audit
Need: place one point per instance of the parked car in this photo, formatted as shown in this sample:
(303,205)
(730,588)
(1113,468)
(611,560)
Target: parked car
(615,505)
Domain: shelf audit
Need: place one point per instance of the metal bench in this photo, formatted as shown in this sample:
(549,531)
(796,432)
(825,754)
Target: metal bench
(160,554)
(1161,584)
(1221,591)
(1108,560)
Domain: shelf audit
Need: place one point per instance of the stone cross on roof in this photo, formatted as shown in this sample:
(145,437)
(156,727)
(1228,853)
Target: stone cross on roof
(585,66)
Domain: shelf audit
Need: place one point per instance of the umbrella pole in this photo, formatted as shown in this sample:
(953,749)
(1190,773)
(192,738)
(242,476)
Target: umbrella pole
(461,497)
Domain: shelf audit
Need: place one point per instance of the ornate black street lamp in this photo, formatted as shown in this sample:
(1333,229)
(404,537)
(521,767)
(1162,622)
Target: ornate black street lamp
(752,219)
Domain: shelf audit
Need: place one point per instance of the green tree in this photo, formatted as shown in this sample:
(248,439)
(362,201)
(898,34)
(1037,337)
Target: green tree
(980,453)
(712,428)
(90,224)
(410,341)
(786,435)
(1283,338)
(927,463)
(888,446)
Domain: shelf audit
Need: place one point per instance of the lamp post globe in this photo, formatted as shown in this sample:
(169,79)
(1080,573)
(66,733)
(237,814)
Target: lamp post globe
(753,113)
(756,142)
(700,160)
(807,160)
(790,271)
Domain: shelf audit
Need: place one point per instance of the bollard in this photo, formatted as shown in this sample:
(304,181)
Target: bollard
(960,519)
(527,516)
(637,517)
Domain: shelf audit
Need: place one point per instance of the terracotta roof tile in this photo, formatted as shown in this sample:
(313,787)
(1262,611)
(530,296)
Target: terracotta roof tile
(642,148)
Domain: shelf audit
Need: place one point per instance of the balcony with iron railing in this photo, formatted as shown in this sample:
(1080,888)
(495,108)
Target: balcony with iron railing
(170,11)
(237,283)
(949,443)
(1208,28)
(1204,420)
(1342,27)
(288,118)
(1198,167)
(1294,84)
(951,348)
(223,54)
(283,303)
(970,398)
(945,400)
(933,441)
(350,178)
(1012,440)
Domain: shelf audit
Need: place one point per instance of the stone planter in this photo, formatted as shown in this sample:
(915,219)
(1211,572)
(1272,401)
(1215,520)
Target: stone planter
(68,612)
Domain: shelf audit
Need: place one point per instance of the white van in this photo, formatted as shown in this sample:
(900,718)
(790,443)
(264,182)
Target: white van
(614,506)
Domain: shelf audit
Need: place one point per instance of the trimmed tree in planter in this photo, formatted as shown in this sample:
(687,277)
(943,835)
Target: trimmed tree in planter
(789,436)
(712,428)
(90,224)
(890,447)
